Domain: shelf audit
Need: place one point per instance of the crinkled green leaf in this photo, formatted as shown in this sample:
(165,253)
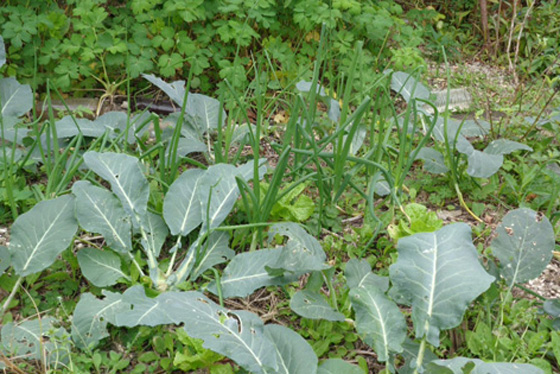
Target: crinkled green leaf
(439,275)
(294,354)
(41,234)
(313,305)
(127,180)
(99,211)
(101,268)
(523,246)
(421,220)
(15,99)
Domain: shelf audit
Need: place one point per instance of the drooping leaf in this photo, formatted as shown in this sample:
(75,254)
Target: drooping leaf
(4,259)
(480,367)
(523,246)
(358,274)
(216,251)
(99,211)
(156,233)
(91,315)
(15,99)
(247,272)
(37,340)
(433,160)
(302,253)
(409,88)
(504,147)
(379,320)
(182,207)
(41,234)
(338,366)
(175,90)
(101,268)
(294,354)
(127,180)
(439,275)
(220,192)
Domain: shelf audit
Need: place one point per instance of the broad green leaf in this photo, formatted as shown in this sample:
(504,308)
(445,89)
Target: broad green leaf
(439,275)
(483,165)
(101,268)
(189,145)
(41,234)
(334,110)
(294,354)
(127,180)
(205,112)
(523,246)
(156,233)
(338,366)
(409,88)
(4,259)
(220,191)
(216,251)
(480,367)
(91,315)
(247,272)
(313,305)
(182,208)
(358,274)
(15,99)
(302,253)
(2,52)
(382,188)
(175,90)
(99,211)
(433,160)
(246,171)
(379,320)
(37,339)
(504,147)
(70,126)
(238,335)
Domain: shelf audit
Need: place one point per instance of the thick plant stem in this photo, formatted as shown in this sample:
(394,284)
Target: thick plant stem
(464,205)
(12,295)
(420,356)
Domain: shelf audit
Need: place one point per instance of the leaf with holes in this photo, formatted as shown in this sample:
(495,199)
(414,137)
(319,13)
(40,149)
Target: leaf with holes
(41,234)
(91,315)
(101,268)
(99,211)
(439,274)
(127,180)
(523,246)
